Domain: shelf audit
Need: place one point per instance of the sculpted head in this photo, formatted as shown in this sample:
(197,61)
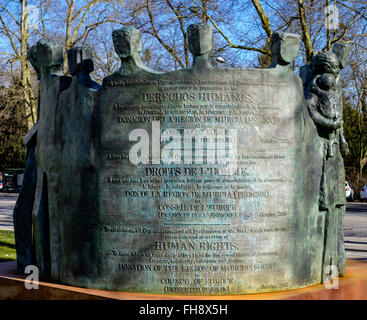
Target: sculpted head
(342,52)
(49,53)
(80,60)
(200,38)
(326,82)
(127,41)
(325,62)
(284,47)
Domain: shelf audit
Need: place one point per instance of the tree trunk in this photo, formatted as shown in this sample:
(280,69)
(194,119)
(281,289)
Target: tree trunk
(68,42)
(29,106)
(306,39)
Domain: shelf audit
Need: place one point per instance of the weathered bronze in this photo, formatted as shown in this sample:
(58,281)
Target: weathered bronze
(46,227)
(324,102)
(22,215)
(197,181)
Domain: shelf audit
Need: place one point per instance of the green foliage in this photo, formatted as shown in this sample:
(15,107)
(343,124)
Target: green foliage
(355,132)
(7,246)
(13,127)
(351,133)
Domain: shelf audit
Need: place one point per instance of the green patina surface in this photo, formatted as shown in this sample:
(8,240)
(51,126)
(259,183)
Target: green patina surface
(121,204)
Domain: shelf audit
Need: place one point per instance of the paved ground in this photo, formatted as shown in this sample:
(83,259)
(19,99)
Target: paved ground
(355,225)
(355,231)
(7,203)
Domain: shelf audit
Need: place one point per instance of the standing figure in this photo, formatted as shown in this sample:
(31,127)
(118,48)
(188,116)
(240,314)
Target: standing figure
(76,178)
(324,86)
(128,46)
(46,230)
(324,103)
(200,43)
(22,214)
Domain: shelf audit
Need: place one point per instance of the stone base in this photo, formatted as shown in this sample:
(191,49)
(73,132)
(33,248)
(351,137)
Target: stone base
(352,287)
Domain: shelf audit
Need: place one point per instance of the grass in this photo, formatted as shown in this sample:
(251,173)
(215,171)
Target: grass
(7,246)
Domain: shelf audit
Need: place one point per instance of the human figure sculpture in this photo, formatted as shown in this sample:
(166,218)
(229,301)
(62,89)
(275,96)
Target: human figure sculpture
(284,48)
(46,230)
(128,46)
(22,214)
(74,110)
(76,163)
(325,108)
(324,86)
(80,66)
(101,221)
(200,43)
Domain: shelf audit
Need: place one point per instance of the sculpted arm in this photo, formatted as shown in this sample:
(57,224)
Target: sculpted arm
(317,117)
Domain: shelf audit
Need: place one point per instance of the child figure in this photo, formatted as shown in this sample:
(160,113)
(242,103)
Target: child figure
(324,86)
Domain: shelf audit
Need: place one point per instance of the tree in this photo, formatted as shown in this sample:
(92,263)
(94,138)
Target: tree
(16,30)
(165,20)
(12,126)
(355,116)
(82,19)
(18,34)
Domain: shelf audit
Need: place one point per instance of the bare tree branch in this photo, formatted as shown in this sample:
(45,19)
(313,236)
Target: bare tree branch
(155,33)
(230,44)
(263,17)
(182,27)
